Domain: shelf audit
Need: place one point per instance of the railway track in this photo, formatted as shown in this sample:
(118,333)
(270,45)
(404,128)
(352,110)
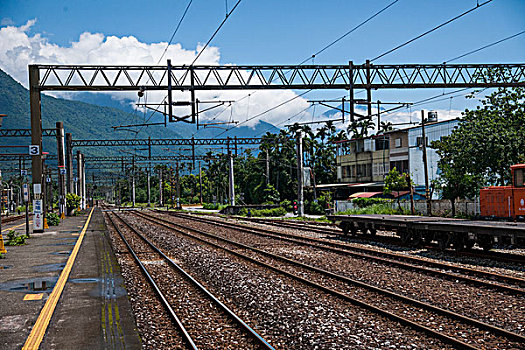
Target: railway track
(330,229)
(8,219)
(201,319)
(509,284)
(399,308)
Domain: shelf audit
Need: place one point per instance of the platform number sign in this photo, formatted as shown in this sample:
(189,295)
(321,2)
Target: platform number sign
(62,171)
(34,150)
(23,172)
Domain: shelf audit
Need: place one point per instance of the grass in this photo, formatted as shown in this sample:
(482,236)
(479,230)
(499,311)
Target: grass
(385,209)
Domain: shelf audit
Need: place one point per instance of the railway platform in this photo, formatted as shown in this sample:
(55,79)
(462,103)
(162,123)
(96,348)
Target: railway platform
(64,290)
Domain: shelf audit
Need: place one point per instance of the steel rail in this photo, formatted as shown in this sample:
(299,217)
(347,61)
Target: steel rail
(358,252)
(187,338)
(423,305)
(220,304)
(328,290)
(9,219)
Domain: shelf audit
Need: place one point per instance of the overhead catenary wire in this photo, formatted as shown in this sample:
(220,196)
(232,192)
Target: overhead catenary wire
(349,32)
(485,47)
(330,45)
(431,30)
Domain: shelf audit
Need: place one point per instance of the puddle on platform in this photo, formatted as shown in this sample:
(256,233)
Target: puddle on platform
(49,267)
(5,267)
(85,280)
(64,252)
(30,285)
(59,244)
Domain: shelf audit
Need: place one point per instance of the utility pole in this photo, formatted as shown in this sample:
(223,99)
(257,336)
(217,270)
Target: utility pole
(160,187)
(69,162)
(425,165)
(178,185)
(300,193)
(149,186)
(200,181)
(133,181)
(79,172)
(61,170)
(231,180)
(84,193)
(267,167)
(36,147)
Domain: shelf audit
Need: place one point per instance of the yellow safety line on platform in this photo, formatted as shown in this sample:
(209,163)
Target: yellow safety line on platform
(12,227)
(39,329)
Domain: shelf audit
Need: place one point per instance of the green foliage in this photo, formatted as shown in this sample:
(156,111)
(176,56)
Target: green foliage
(213,206)
(486,143)
(72,201)
(366,202)
(385,209)
(14,239)
(52,219)
(286,204)
(279,211)
(395,182)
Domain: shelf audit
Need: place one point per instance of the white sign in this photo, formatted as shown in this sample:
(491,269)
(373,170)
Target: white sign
(25,188)
(48,179)
(62,171)
(23,172)
(34,150)
(38,221)
(75,179)
(37,206)
(37,188)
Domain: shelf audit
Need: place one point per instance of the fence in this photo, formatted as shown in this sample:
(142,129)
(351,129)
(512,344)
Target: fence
(439,207)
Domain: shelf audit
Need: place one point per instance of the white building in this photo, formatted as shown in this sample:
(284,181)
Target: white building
(433,132)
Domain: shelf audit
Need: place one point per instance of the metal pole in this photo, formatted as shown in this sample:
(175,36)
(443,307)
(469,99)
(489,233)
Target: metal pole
(61,169)
(231,180)
(351,91)
(149,187)
(84,193)
(160,187)
(267,167)
(178,186)
(69,167)
(368,90)
(170,99)
(79,171)
(425,165)
(200,181)
(36,139)
(300,180)
(133,182)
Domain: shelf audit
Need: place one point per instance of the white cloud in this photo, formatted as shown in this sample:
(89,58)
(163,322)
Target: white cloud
(18,48)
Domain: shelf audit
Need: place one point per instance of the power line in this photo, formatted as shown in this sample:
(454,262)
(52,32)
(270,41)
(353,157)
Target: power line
(326,47)
(216,31)
(266,111)
(431,30)
(485,47)
(175,31)
(349,32)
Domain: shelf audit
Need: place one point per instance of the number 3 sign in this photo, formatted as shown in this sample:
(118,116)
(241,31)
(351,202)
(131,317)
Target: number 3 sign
(34,150)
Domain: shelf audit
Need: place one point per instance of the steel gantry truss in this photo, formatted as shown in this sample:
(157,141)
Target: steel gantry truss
(25,132)
(198,78)
(140,158)
(168,142)
(364,76)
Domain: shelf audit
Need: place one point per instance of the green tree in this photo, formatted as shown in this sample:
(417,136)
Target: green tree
(487,141)
(395,182)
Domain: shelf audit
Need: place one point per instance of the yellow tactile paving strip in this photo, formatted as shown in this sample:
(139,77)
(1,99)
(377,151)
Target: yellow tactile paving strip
(39,329)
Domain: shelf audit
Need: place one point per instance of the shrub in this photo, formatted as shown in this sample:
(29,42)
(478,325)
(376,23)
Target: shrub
(384,208)
(366,202)
(14,239)
(72,201)
(213,206)
(280,211)
(312,207)
(52,219)
(287,205)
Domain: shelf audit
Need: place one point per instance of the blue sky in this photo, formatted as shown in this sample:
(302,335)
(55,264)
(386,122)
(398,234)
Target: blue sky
(287,32)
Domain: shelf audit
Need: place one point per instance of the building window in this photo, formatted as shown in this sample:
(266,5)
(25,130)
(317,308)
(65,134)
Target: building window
(419,143)
(398,142)
(382,143)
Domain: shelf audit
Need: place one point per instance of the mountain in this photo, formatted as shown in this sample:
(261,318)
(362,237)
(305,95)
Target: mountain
(92,121)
